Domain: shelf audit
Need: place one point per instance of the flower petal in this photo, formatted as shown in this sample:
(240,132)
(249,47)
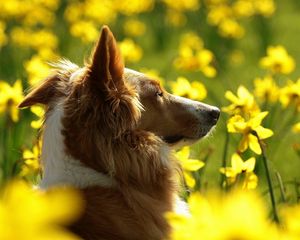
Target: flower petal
(263,133)
(249,165)
(237,163)
(192,164)
(253,144)
(256,120)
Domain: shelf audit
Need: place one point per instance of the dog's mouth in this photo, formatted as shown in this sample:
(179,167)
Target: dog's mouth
(172,139)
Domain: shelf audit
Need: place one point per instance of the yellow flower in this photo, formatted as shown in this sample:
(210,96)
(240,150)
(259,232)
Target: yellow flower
(85,30)
(278,60)
(131,52)
(205,60)
(291,221)
(74,11)
(10,97)
(266,89)
(30,214)
(243,215)
(296,128)
(39,112)
(265,7)
(237,215)
(218,13)
(290,94)
(189,165)
(230,28)
(193,57)
(237,124)
(101,12)
(131,7)
(241,168)
(238,166)
(183,5)
(134,27)
(226,14)
(243,8)
(40,15)
(37,40)
(243,103)
(30,13)
(194,90)
(36,69)
(31,158)
(3,37)
(190,41)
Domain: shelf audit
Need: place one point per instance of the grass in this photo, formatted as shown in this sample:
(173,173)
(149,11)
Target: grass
(160,45)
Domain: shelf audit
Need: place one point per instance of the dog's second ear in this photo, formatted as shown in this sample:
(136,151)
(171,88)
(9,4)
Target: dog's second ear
(41,94)
(107,67)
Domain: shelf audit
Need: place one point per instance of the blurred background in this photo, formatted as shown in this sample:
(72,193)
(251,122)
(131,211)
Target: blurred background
(197,49)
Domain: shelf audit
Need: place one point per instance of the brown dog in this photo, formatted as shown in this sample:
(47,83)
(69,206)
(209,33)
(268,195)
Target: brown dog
(108,132)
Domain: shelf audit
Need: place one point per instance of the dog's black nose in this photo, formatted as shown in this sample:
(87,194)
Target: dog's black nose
(214,113)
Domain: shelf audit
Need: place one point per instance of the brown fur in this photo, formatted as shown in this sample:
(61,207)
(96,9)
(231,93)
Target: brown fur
(116,126)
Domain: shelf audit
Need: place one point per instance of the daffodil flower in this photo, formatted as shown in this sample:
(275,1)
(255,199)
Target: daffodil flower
(134,27)
(278,60)
(131,52)
(236,215)
(39,112)
(240,167)
(193,56)
(10,97)
(86,30)
(31,165)
(266,89)
(296,128)
(252,131)
(230,28)
(32,214)
(36,69)
(194,90)
(243,103)
(290,94)
(189,165)
(3,37)
(183,5)
(291,220)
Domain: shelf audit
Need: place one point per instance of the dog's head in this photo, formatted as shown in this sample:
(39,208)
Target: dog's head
(104,101)
(175,119)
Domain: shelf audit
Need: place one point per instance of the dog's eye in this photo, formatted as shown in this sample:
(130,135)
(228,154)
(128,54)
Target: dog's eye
(159,94)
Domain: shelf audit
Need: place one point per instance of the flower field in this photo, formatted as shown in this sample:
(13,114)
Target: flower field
(241,182)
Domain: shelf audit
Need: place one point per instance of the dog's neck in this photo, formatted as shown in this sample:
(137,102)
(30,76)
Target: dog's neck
(60,168)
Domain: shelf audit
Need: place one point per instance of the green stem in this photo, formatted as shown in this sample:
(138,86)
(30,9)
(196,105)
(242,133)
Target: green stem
(272,196)
(224,157)
(281,186)
(290,182)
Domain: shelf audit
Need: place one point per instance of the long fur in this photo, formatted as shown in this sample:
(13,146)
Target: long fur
(97,138)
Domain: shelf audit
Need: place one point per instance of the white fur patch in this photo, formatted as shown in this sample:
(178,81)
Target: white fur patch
(181,207)
(76,74)
(59,168)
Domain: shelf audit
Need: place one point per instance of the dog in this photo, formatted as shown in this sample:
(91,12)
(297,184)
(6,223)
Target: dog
(109,131)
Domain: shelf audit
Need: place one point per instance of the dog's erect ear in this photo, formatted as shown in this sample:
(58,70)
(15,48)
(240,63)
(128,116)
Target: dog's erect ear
(107,67)
(41,94)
